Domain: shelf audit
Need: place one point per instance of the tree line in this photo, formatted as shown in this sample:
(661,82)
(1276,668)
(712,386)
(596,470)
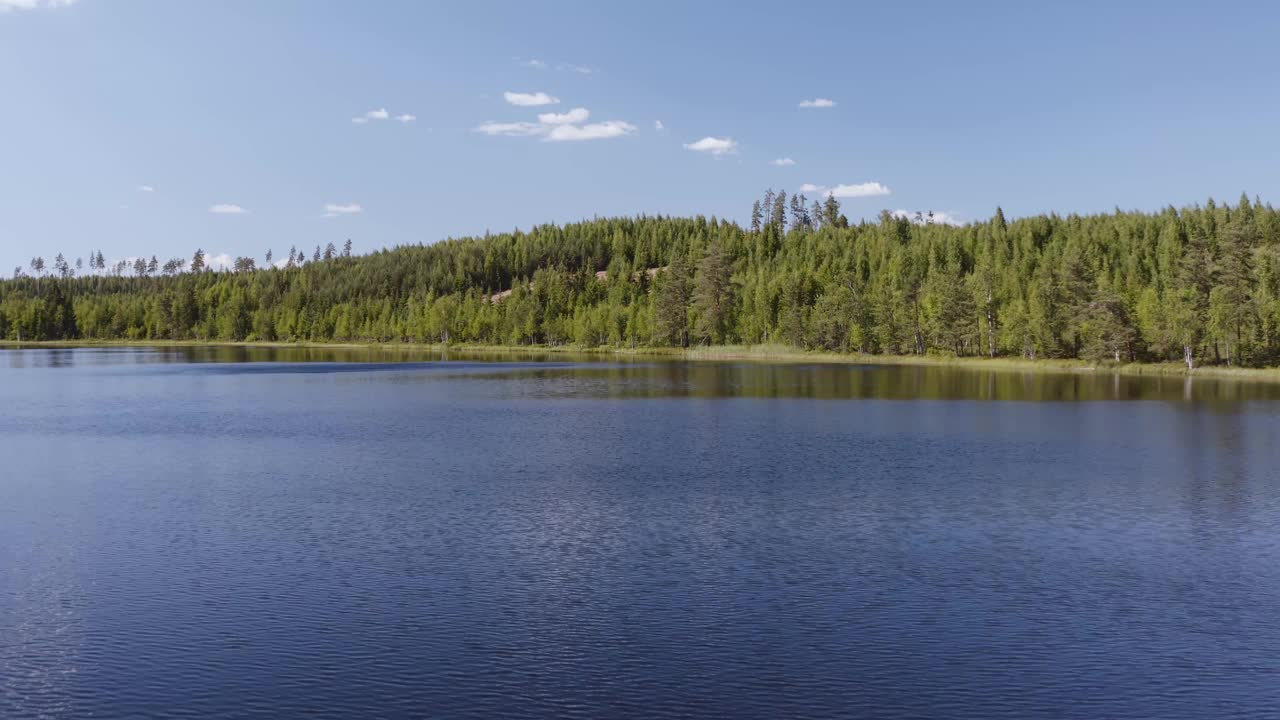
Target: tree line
(1199,284)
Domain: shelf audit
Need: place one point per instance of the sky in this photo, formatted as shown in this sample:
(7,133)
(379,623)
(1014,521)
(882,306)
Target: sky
(152,127)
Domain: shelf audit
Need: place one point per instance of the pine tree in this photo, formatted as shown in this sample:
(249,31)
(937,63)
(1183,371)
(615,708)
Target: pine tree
(830,211)
(1231,299)
(671,302)
(797,213)
(712,295)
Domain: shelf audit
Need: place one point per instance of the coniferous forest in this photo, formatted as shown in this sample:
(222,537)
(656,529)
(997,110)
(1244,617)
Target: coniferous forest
(1199,285)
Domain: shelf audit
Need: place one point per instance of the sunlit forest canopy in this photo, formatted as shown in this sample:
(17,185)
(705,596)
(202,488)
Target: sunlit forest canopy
(1197,285)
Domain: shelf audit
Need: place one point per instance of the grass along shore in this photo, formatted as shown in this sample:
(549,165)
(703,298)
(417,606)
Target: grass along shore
(753,353)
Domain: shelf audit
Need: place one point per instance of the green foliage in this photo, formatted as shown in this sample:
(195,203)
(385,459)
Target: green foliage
(1200,285)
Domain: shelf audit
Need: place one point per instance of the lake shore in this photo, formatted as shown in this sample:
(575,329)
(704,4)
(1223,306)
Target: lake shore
(750,353)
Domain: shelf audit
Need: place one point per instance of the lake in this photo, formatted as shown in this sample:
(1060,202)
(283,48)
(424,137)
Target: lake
(232,532)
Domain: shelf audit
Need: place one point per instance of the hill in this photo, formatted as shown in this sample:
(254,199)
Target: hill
(1199,284)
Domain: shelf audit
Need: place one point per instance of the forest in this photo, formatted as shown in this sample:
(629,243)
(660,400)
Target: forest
(1196,285)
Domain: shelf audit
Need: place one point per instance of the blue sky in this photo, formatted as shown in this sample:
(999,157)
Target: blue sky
(955,107)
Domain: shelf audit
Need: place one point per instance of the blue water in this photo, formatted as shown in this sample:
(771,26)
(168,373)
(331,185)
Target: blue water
(225,533)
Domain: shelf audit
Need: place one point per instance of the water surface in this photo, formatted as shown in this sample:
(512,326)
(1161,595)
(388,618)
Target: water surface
(232,532)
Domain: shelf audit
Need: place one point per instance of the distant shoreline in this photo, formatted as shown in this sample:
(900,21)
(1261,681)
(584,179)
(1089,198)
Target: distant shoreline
(755,353)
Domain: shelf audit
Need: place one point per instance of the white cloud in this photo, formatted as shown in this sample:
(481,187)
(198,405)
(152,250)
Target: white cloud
(867,189)
(8,5)
(818,103)
(575,116)
(657,125)
(714,146)
(929,217)
(594,131)
(227,209)
(336,209)
(511,129)
(406,118)
(529,99)
(221,261)
(379,114)
(537,64)
(782,162)
(859,190)
(559,127)
(141,188)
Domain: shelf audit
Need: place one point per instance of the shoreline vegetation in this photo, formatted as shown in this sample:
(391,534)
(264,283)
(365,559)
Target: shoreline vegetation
(1183,291)
(779,354)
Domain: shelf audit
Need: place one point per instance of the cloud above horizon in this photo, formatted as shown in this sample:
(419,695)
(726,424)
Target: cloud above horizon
(10,5)
(227,209)
(379,114)
(221,261)
(573,117)
(592,131)
(928,217)
(818,103)
(146,189)
(714,146)
(782,162)
(568,126)
(537,64)
(383,114)
(858,190)
(510,129)
(336,209)
(529,99)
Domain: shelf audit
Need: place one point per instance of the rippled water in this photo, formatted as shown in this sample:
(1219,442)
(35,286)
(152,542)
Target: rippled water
(236,533)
